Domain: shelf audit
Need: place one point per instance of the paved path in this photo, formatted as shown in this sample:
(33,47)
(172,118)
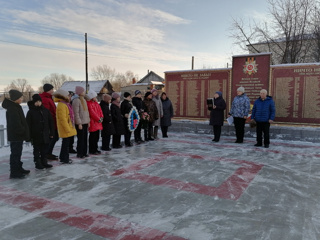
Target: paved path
(183,187)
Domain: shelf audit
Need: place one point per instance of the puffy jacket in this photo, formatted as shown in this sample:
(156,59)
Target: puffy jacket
(49,104)
(96,116)
(81,115)
(64,122)
(17,126)
(263,110)
(240,106)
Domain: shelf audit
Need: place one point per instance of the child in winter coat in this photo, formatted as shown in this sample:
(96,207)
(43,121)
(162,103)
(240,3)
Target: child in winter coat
(107,124)
(117,120)
(41,129)
(17,129)
(65,123)
(82,119)
(96,118)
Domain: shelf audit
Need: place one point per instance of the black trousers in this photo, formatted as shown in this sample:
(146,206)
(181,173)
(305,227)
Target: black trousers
(39,151)
(105,142)
(127,136)
(116,139)
(53,141)
(93,141)
(15,156)
(164,130)
(263,127)
(217,132)
(239,124)
(64,152)
(137,132)
(82,143)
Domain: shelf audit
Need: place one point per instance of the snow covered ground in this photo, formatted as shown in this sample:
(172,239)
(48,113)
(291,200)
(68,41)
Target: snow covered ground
(183,187)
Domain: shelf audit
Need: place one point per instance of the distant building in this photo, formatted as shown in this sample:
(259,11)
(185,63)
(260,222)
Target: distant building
(99,86)
(147,83)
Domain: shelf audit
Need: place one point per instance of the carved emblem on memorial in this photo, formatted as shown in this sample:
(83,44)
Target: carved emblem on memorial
(250,66)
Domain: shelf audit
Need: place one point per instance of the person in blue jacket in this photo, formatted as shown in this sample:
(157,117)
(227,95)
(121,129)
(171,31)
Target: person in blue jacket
(263,112)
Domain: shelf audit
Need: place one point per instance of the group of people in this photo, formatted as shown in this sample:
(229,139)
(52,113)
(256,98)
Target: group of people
(63,114)
(263,114)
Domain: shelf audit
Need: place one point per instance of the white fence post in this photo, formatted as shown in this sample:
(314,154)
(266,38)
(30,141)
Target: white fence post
(1,136)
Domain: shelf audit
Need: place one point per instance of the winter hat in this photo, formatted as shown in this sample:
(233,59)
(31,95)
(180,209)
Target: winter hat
(106,97)
(137,92)
(153,90)
(61,92)
(147,94)
(219,93)
(126,94)
(47,87)
(15,94)
(240,89)
(91,94)
(36,97)
(115,95)
(79,90)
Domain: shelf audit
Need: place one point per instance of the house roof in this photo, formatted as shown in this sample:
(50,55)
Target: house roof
(96,86)
(151,77)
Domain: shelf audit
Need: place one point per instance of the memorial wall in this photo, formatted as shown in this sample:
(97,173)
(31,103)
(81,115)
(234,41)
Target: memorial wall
(295,88)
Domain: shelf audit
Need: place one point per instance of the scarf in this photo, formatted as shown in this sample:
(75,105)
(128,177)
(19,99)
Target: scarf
(70,111)
(115,102)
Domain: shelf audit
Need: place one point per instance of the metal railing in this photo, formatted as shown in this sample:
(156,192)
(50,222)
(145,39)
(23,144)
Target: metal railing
(3,141)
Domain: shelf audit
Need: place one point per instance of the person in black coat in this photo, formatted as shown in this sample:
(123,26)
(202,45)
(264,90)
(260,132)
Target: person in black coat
(126,107)
(117,120)
(108,127)
(41,129)
(217,115)
(138,103)
(17,132)
(165,121)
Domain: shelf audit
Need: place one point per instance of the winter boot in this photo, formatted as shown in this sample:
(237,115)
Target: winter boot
(155,132)
(45,163)
(38,164)
(23,171)
(16,174)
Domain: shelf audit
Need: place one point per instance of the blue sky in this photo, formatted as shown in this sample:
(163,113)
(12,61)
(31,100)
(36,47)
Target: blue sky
(43,37)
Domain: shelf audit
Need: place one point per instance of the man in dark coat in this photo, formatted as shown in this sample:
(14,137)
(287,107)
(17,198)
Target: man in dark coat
(217,115)
(108,127)
(41,128)
(126,107)
(263,112)
(137,102)
(117,120)
(18,131)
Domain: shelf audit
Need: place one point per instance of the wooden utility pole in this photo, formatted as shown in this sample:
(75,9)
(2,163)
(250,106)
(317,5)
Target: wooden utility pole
(86,47)
(192,63)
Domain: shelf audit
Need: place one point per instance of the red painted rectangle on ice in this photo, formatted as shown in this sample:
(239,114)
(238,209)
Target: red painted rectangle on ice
(232,188)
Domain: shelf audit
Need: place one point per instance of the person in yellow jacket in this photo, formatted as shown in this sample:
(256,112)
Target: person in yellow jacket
(65,122)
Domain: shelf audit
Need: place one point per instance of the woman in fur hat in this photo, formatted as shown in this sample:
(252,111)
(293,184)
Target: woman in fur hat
(107,124)
(82,119)
(65,122)
(117,120)
(41,129)
(96,118)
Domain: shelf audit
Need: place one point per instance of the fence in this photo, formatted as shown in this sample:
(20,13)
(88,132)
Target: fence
(3,141)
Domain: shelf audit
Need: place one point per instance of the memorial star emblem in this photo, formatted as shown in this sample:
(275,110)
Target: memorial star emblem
(250,67)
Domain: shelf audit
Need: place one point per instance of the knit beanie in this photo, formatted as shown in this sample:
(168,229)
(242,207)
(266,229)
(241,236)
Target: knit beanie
(137,92)
(219,93)
(15,94)
(79,90)
(126,94)
(47,87)
(240,89)
(106,97)
(91,94)
(115,95)
(36,97)
(153,90)
(147,94)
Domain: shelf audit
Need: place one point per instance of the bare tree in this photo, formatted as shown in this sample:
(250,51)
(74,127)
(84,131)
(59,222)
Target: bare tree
(56,80)
(103,73)
(287,34)
(21,85)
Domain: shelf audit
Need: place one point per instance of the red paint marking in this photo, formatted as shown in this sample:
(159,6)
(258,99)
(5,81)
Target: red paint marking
(84,219)
(232,188)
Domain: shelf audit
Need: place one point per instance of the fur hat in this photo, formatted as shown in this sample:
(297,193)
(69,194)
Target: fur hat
(15,94)
(36,98)
(147,94)
(47,87)
(137,92)
(62,93)
(115,95)
(79,90)
(91,94)
(106,97)
(240,89)
(126,94)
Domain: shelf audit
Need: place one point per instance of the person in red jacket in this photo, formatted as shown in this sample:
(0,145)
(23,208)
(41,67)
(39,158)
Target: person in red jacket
(96,118)
(49,104)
